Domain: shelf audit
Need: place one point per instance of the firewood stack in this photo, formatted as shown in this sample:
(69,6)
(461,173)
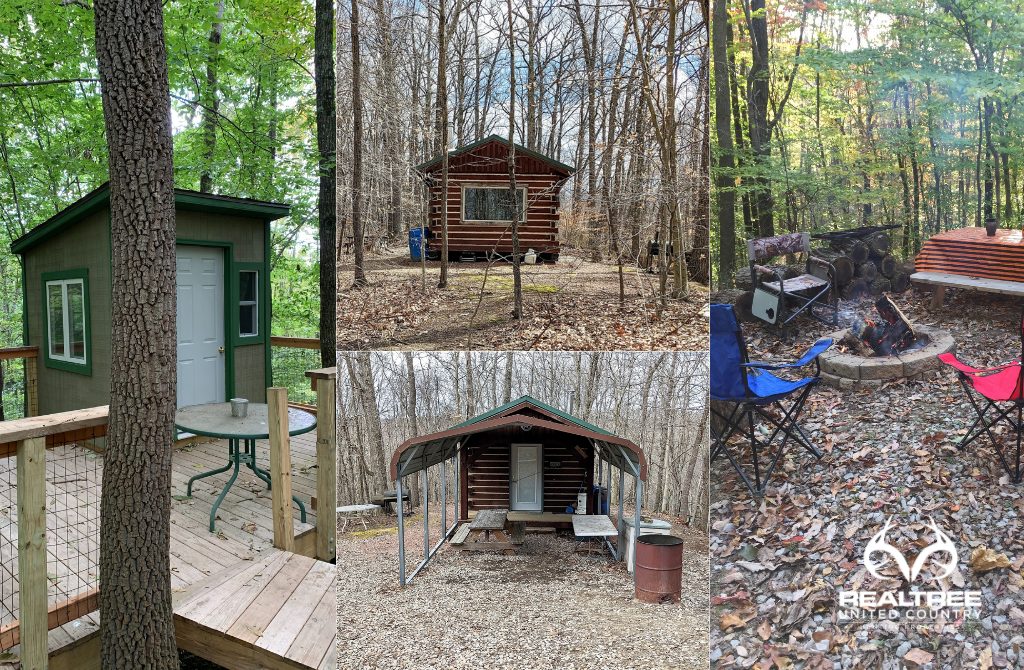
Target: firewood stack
(863,262)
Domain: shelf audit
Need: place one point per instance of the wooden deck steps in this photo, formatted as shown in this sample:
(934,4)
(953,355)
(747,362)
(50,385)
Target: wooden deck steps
(277,611)
(460,535)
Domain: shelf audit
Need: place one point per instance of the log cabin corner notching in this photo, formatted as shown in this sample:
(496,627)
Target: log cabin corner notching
(223,290)
(524,456)
(479,222)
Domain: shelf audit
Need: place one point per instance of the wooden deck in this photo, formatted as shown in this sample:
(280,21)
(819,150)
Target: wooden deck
(301,592)
(279,611)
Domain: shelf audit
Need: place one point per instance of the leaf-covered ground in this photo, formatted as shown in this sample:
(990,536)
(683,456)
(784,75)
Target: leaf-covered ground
(777,566)
(570,305)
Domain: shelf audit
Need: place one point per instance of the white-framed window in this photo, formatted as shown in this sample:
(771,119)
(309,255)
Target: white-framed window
(491,204)
(66,320)
(248,303)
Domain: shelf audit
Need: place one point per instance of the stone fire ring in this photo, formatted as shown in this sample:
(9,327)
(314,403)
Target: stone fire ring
(848,370)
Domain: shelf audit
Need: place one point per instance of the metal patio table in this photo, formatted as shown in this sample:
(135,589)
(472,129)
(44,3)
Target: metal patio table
(215,420)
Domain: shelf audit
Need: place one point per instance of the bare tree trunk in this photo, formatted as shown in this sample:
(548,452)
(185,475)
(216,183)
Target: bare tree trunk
(507,390)
(136,625)
(326,139)
(517,279)
(211,104)
(359,275)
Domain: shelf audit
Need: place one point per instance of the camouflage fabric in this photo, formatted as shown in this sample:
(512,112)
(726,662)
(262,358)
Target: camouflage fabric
(770,247)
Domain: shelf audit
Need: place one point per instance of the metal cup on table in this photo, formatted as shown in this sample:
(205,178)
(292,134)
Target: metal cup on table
(239,407)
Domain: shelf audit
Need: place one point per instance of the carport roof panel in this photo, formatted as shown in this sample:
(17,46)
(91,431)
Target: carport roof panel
(526,400)
(420,453)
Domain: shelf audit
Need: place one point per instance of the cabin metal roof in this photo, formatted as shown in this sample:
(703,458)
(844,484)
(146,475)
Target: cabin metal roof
(435,163)
(421,452)
(183,199)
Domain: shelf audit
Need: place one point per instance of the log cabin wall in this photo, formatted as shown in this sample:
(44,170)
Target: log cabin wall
(486,468)
(487,165)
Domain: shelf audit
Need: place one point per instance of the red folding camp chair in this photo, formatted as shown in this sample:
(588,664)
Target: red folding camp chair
(998,390)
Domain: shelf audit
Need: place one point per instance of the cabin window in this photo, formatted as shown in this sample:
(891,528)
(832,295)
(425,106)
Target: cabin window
(248,303)
(491,203)
(66,296)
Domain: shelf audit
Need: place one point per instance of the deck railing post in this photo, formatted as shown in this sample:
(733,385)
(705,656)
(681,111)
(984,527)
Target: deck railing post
(326,464)
(280,468)
(33,583)
(32,386)
(622,505)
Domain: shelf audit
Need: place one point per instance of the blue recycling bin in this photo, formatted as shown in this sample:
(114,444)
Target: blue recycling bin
(416,243)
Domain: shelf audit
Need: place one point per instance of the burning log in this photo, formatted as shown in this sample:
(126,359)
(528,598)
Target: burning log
(890,334)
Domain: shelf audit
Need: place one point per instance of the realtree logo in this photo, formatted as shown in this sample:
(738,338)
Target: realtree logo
(909,604)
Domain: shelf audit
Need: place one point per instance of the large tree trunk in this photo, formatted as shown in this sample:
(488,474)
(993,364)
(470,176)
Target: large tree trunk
(517,279)
(724,180)
(757,113)
(359,273)
(441,130)
(326,140)
(136,625)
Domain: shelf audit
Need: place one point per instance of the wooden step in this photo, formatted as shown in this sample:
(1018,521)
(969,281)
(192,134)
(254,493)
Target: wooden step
(460,535)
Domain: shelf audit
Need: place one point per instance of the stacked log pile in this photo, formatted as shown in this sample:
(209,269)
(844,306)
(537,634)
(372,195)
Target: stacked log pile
(863,262)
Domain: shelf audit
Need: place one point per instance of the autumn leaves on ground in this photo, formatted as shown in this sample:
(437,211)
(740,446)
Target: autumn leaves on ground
(571,304)
(778,565)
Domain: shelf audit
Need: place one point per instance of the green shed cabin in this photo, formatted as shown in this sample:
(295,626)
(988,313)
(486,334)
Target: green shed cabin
(223,297)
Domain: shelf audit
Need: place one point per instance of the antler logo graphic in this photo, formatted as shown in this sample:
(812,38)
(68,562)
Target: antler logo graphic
(879,544)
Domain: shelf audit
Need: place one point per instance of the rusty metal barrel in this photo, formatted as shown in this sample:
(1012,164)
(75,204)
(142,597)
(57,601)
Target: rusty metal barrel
(659,568)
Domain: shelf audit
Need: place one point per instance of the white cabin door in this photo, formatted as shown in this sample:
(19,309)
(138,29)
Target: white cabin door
(200,325)
(526,488)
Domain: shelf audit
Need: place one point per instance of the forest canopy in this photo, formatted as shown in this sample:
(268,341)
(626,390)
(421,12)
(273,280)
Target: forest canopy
(243,121)
(831,115)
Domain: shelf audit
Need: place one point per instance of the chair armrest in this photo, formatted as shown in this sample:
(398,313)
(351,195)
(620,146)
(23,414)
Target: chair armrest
(759,271)
(816,349)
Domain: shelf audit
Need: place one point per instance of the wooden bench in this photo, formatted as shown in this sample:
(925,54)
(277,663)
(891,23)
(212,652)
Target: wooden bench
(942,280)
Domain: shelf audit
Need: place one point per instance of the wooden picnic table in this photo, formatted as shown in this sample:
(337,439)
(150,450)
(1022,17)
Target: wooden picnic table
(355,512)
(488,532)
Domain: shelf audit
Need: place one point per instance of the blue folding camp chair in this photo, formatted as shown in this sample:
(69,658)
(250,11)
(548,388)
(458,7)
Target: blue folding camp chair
(749,389)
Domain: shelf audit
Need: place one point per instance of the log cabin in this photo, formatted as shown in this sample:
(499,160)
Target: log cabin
(524,456)
(479,207)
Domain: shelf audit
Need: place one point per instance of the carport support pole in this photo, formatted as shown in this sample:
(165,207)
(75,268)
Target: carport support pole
(636,525)
(622,522)
(457,469)
(401,530)
(426,519)
(444,498)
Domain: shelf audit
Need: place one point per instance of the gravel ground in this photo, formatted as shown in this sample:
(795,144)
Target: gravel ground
(778,565)
(544,608)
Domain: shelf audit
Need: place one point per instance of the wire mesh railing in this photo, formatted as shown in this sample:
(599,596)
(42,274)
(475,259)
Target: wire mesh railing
(18,382)
(50,477)
(290,358)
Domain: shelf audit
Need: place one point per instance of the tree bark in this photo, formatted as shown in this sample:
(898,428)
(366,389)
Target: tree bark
(326,140)
(136,625)
(211,105)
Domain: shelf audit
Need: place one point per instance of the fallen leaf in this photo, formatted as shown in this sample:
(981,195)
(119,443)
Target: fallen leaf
(918,656)
(984,559)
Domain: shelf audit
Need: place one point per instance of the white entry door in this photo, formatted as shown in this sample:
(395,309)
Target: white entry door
(200,325)
(526,489)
